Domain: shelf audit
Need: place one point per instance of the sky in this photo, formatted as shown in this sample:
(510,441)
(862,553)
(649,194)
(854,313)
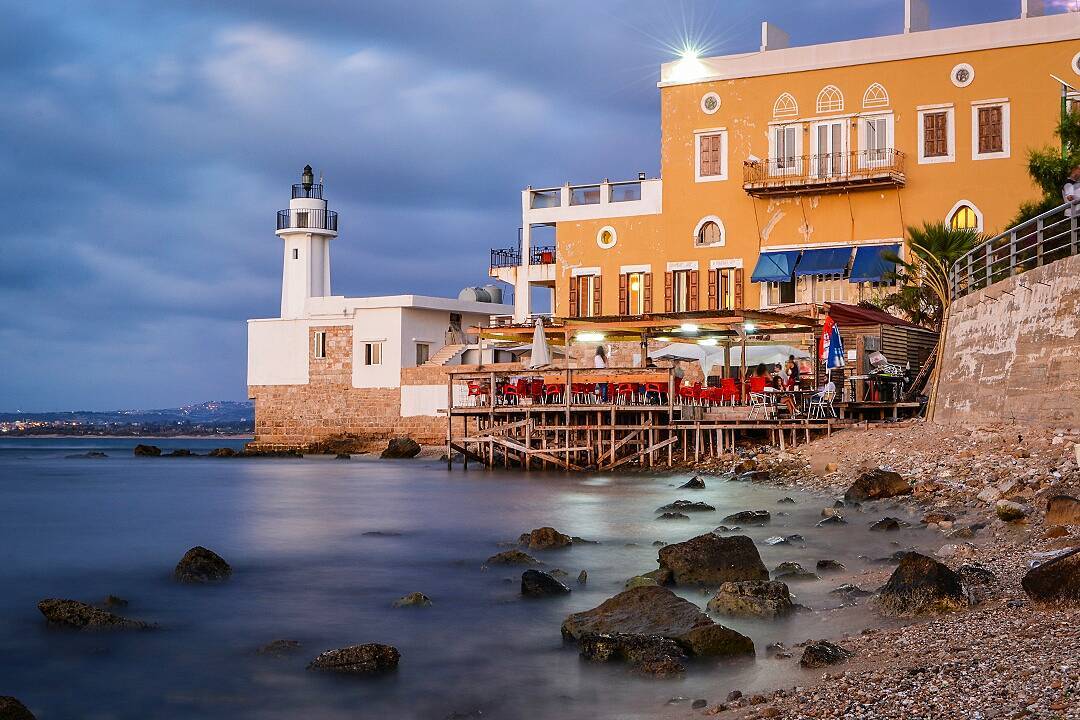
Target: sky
(148,145)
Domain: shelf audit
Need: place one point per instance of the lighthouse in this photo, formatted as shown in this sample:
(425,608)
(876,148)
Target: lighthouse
(306,229)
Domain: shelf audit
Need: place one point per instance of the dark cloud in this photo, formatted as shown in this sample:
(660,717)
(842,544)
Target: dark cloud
(147,146)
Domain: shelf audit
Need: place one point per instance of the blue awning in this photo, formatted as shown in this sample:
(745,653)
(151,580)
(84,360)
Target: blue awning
(775,266)
(870,265)
(823,261)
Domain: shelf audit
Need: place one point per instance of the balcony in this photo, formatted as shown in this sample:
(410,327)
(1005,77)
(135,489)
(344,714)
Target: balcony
(301,218)
(299,190)
(542,255)
(830,172)
(605,199)
(505,257)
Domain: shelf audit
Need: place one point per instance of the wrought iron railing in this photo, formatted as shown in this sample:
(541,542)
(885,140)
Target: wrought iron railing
(505,257)
(1043,239)
(543,255)
(299,190)
(884,166)
(312,218)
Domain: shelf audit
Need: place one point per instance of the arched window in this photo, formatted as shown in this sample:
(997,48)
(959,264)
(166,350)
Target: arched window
(830,99)
(709,232)
(875,96)
(965,216)
(785,106)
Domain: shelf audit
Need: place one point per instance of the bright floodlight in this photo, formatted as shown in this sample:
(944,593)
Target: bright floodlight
(589,337)
(749,327)
(707,341)
(688,328)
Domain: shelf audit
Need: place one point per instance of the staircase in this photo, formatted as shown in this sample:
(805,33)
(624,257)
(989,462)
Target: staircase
(445,355)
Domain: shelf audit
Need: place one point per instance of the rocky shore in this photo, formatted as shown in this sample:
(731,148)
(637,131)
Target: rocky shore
(997,498)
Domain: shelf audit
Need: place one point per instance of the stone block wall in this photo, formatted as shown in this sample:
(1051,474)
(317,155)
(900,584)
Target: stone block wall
(1012,352)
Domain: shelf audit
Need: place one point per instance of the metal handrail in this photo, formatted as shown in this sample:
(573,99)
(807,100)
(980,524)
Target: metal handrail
(542,255)
(885,163)
(1043,239)
(299,190)
(301,218)
(505,257)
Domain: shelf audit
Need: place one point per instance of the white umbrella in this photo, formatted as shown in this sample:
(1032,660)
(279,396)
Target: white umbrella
(768,354)
(706,356)
(541,353)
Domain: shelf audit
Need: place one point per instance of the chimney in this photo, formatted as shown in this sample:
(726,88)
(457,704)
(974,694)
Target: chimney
(1032,8)
(773,38)
(916,15)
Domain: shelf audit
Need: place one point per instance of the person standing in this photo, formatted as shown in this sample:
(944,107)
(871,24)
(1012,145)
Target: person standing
(600,362)
(1070,191)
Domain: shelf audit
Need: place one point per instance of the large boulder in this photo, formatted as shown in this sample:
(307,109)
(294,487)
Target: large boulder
(649,654)
(1063,510)
(401,447)
(654,610)
(752,598)
(877,484)
(713,560)
(535,583)
(358,659)
(200,565)
(1056,577)
(921,584)
(12,709)
(147,450)
(81,616)
(545,538)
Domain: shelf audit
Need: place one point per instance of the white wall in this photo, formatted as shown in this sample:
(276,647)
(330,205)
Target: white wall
(377,325)
(277,352)
(425,400)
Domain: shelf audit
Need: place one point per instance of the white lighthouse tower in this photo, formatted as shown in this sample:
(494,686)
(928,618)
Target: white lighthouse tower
(306,228)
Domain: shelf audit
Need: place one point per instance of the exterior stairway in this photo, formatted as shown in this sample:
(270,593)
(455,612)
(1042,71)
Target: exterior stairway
(445,355)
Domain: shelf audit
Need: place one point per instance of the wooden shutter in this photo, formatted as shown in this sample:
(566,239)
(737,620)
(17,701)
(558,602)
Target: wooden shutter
(669,297)
(596,295)
(738,289)
(990,129)
(714,276)
(692,290)
(624,302)
(573,311)
(646,281)
(709,155)
(935,137)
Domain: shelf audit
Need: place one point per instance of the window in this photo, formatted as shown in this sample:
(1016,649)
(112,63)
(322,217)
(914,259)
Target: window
(423,352)
(373,353)
(875,96)
(875,290)
(875,141)
(965,217)
(989,130)
(585,295)
(709,232)
(320,344)
(680,291)
(635,293)
(711,156)
(301,219)
(830,99)
(785,106)
(829,148)
(828,288)
(936,128)
(780,293)
(784,156)
(726,288)
(295,254)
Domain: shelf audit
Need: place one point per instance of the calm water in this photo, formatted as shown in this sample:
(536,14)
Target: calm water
(293,531)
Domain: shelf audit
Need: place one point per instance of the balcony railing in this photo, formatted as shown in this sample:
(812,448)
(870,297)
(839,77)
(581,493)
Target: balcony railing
(589,194)
(827,172)
(307,218)
(300,190)
(1051,236)
(543,255)
(505,257)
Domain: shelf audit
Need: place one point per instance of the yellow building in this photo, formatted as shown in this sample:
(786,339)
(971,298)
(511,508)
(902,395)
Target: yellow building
(786,172)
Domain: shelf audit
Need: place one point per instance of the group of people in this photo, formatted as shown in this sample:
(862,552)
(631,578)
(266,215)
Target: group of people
(786,376)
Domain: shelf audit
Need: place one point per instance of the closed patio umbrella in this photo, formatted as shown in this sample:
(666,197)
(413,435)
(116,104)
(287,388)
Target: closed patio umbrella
(541,353)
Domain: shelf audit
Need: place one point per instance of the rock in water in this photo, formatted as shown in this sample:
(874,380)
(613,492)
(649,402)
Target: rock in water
(686,506)
(12,709)
(1057,577)
(222,452)
(360,659)
(413,599)
(535,583)
(545,538)
(655,610)
(749,517)
(673,516)
(694,483)
(877,484)
(888,523)
(583,577)
(640,581)
(650,654)
(921,584)
(200,565)
(279,648)
(401,447)
(511,557)
(81,616)
(147,450)
(752,598)
(1063,510)
(713,560)
(793,571)
(823,653)
(830,566)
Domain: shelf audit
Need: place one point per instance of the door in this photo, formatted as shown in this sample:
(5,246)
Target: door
(829,158)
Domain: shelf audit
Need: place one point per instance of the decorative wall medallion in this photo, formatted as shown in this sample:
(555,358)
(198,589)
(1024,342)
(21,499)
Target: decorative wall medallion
(606,237)
(1076,63)
(962,75)
(710,103)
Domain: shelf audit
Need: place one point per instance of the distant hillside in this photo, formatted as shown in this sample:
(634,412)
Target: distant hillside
(217,417)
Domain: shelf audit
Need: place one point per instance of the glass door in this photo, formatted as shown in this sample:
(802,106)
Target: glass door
(829,159)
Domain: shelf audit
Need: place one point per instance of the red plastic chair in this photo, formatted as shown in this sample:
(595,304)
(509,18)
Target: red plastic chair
(480,391)
(758,383)
(690,394)
(536,390)
(728,391)
(625,391)
(553,390)
(658,389)
(509,393)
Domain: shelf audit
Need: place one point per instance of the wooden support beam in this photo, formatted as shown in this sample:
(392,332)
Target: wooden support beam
(639,454)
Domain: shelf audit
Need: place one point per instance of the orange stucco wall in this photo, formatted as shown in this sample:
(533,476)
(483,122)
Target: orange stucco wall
(994,186)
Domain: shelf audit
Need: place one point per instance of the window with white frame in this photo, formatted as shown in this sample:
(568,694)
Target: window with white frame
(875,96)
(709,232)
(785,106)
(423,352)
(373,353)
(295,254)
(785,150)
(875,141)
(828,148)
(780,293)
(830,99)
(320,344)
(828,288)
(711,156)
(937,134)
(990,130)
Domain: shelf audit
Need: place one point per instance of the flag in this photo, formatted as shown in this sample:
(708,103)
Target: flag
(831,347)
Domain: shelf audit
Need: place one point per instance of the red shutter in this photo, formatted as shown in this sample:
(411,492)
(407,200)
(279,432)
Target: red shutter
(624,304)
(646,281)
(738,289)
(596,296)
(714,277)
(692,303)
(668,294)
(572,311)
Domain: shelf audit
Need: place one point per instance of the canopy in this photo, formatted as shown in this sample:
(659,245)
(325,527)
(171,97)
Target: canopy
(870,264)
(824,261)
(706,356)
(768,354)
(775,266)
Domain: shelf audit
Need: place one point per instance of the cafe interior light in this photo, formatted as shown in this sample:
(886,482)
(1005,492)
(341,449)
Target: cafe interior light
(749,327)
(707,341)
(688,328)
(589,337)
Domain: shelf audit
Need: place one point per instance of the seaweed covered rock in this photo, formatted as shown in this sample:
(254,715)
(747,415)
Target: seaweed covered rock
(713,560)
(649,654)
(413,599)
(200,565)
(686,506)
(921,584)
(358,659)
(752,598)
(545,538)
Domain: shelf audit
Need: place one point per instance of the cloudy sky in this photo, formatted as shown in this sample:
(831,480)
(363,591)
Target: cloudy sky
(147,146)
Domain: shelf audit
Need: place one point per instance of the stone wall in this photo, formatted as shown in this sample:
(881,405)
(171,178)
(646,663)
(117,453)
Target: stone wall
(1016,357)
